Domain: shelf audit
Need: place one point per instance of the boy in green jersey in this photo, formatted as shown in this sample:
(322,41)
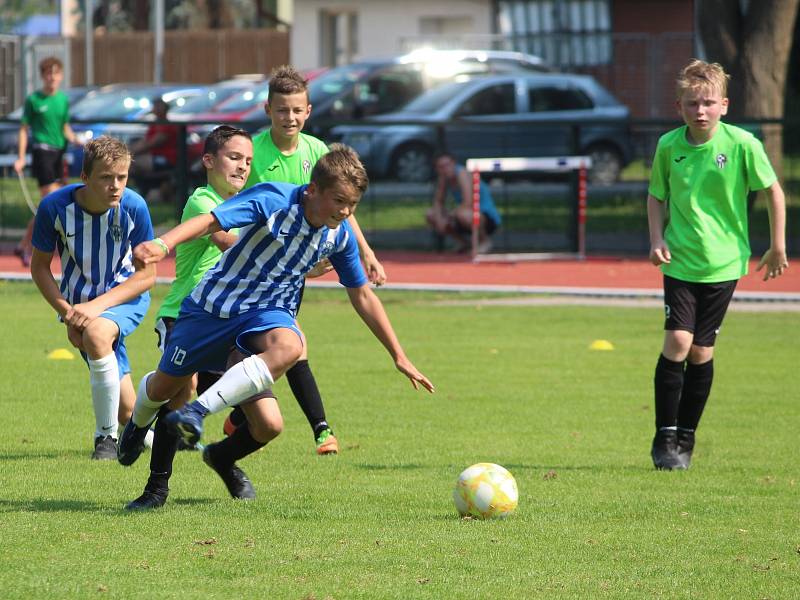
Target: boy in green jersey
(697,215)
(46,112)
(284,153)
(227,155)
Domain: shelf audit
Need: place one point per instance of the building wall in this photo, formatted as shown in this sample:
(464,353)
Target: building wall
(383,25)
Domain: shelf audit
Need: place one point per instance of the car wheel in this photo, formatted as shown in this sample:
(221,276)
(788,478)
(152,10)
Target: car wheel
(606,165)
(413,163)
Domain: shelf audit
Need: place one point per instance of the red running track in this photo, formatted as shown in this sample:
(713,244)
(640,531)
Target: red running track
(453,270)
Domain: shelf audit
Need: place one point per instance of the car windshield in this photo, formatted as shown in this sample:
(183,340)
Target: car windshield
(333,82)
(113,105)
(205,101)
(432,100)
(244,100)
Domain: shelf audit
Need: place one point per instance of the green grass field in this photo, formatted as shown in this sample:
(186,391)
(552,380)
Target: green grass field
(516,385)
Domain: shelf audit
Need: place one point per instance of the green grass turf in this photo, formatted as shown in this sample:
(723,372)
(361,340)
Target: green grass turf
(516,385)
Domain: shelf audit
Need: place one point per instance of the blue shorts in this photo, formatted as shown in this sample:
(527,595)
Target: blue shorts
(200,341)
(127,316)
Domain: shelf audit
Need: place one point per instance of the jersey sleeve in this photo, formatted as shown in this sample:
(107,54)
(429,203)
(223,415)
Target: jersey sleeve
(44,227)
(760,174)
(249,207)
(659,176)
(142,225)
(346,261)
(27,112)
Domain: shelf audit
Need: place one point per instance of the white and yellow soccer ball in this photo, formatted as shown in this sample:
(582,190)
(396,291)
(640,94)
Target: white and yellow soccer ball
(485,491)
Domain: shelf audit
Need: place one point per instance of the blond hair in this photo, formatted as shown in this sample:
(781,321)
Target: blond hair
(699,74)
(340,165)
(106,149)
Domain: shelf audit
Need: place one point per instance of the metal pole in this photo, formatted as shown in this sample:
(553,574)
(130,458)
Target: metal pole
(88,27)
(158,22)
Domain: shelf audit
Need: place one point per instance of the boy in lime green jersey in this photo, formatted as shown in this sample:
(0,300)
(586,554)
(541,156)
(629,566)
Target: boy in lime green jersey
(46,113)
(697,215)
(284,153)
(227,155)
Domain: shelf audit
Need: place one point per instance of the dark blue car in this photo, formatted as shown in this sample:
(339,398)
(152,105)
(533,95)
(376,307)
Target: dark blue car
(497,116)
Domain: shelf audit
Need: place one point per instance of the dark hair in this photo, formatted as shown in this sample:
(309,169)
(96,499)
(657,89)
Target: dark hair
(286,80)
(340,165)
(443,154)
(51,62)
(220,136)
(105,149)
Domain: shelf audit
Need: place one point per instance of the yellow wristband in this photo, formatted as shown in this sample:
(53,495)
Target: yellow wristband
(161,244)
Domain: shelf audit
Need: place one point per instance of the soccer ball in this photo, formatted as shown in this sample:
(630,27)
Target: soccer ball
(485,491)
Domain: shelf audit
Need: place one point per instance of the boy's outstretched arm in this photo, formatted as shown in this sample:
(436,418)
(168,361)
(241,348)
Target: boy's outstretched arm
(370,309)
(656,215)
(775,257)
(153,251)
(373,267)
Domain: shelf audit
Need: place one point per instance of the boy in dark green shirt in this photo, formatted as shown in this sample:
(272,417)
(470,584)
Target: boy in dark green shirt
(701,175)
(46,112)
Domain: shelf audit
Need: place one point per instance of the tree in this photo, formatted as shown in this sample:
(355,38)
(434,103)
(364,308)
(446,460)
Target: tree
(752,40)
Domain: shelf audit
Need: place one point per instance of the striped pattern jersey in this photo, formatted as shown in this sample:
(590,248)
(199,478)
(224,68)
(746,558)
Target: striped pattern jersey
(265,269)
(95,249)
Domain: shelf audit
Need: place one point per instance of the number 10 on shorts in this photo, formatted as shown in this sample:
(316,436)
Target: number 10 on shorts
(178,356)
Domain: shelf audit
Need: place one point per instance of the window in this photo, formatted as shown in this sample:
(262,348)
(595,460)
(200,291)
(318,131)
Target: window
(565,33)
(338,37)
(495,100)
(541,99)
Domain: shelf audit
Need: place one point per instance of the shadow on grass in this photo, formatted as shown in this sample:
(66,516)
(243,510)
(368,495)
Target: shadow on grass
(403,467)
(39,505)
(52,454)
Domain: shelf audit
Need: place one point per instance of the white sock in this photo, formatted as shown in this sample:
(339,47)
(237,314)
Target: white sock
(104,380)
(145,410)
(240,382)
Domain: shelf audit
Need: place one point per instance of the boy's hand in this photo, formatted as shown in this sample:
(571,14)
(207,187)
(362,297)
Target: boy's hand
(19,165)
(80,315)
(375,270)
(322,267)
(147,253)
(775,261)
(660,254)
(409,370)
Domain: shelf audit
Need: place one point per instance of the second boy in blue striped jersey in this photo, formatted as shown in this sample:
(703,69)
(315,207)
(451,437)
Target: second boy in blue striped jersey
(94,226)
(249,299)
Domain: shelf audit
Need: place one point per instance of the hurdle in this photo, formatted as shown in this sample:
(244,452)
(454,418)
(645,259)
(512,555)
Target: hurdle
(550,164)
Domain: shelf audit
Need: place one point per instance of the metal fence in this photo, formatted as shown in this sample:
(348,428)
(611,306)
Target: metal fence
(538,210)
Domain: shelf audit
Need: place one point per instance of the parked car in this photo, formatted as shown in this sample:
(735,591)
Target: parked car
(121,102)
(367,88)
(497,116)
(212,96)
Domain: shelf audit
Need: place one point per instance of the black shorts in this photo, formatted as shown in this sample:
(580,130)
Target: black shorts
(48,165)
(696,307)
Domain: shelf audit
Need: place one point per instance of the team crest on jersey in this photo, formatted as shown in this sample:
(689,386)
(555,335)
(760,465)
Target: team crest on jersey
(116,232)
(306,166)
(326,250)
(722,160)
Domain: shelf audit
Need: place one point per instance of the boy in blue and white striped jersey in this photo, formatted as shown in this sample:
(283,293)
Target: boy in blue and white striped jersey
(102,297)
(249,301)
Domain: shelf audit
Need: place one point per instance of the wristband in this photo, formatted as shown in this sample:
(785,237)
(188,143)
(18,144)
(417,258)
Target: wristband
(161,244)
